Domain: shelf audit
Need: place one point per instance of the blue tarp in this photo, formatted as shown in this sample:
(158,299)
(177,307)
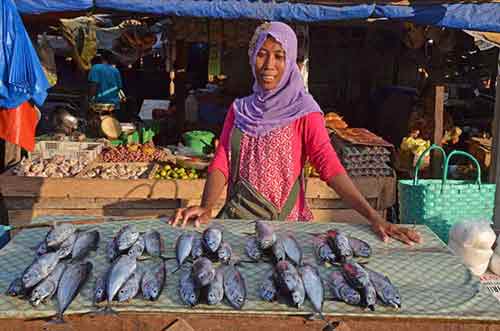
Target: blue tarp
(478,16)
(44,6)
(21,74)
(233,9)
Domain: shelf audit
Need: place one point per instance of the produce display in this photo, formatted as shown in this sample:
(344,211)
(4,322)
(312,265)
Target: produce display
(172,171)
(56,167)
(134,153)
(116,171)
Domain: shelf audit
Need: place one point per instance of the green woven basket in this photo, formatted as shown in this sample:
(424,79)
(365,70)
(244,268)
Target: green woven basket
(440,203)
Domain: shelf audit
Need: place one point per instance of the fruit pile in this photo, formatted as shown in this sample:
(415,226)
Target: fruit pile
(134,153)
(171,171)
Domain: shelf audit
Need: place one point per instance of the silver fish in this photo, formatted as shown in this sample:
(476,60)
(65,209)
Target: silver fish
(59,233)
(72,279)
(126,237)
(154,243)
(342,291)
(288,275)
(360,248)
(386,291)
(112,251)
(197,249)
(211,239)
(16,288)
(138,248)
(268,290)
(322,250)
(100,288)
(265,234)
(339,243)
(188,291)
(215,290)
(47,287)
(120,272)
(183,247)
(42,248)
(252,248)
(67,246)
(40,269)
(292,249)
(234,287)
(278,248)
(359,279)
(225,252)
(85,242)
(298,294)
(313,286)
(203,271)
(153,281)
(131,287)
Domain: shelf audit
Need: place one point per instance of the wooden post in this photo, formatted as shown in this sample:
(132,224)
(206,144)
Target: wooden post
(437,159)
(495,157)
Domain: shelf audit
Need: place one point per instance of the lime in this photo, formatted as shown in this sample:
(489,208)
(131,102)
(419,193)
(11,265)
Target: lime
(163,173)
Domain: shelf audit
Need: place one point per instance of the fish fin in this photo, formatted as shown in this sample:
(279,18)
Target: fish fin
(58,319)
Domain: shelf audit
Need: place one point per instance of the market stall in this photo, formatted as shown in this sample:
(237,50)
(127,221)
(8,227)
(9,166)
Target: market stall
(437,291)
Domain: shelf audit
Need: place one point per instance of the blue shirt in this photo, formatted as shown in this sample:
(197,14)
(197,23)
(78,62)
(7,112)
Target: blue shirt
(108,82)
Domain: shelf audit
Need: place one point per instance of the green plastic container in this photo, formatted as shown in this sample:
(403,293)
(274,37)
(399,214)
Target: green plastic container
(199,141)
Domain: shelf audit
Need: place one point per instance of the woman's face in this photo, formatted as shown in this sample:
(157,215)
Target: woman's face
(270,64)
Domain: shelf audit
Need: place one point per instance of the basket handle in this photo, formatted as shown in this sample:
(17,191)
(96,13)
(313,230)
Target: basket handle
(446,164)
(421,160)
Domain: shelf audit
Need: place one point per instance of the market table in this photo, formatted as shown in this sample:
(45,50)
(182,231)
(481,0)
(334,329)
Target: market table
(438,292)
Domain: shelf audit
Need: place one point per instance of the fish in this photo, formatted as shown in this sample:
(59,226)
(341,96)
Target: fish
(153,243)
(341,290)
(121,270)
(183,247)
(298,294)
(59,233)
(189,292)
(85,242)
(42,247)
(234,287)
(339,243)
(287,275)
(153,282)
(100,288)
(39,269)
(265,235)
(131,287)
(386,291)
(313,286)
(322,250)
(67,246)
(112,251)
(225,252)
(267,289)
(47,287)
(252,248)
(359,279)
(203,271)
(360,248)
(72,279)
(138,248)
(197,248)
(215,290)
(16,288)
(127,236)
(278,249)
(211,239)
(292,249)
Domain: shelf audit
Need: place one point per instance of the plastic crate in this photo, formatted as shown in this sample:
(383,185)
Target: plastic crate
(68,149)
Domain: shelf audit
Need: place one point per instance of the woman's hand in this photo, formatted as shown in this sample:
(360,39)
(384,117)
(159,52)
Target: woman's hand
(199,215)
(386,230)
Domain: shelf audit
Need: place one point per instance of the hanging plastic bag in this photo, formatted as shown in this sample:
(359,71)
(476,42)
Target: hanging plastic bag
(18,125)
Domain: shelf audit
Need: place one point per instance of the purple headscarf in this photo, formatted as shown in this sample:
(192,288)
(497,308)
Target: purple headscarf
(263,111)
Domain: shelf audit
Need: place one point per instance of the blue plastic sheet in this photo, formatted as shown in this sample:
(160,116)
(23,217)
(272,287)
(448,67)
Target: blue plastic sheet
(233,9)
(45,6)
(471,16)
(21,74)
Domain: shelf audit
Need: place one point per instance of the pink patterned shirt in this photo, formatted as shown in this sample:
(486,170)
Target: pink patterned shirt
(271,163)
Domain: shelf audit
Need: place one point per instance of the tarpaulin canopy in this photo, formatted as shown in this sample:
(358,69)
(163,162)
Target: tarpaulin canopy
(45,6)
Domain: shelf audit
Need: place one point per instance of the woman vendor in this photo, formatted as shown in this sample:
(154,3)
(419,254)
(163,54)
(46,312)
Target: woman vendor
(267,138)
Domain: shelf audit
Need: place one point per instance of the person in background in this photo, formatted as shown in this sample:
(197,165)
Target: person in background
(105,82)
(266,140)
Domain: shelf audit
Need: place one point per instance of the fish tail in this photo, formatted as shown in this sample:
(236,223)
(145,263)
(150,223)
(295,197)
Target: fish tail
(58,319)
